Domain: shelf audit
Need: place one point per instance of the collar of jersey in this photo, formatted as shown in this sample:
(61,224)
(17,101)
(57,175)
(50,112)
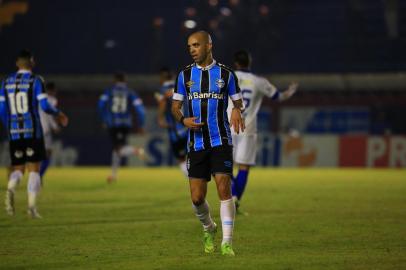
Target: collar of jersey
(24,71)
(207,67)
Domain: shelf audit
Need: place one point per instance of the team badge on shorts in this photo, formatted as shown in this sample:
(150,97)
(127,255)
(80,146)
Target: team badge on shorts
(30,152)
(220,83)
(18,154)
(228,163)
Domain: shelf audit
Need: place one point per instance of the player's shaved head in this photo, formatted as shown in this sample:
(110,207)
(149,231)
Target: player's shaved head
(202,35)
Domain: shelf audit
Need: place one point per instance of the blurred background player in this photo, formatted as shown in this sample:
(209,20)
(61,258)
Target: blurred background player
(21,95)
(49,127)
(253,89)
(176,131)
(115,110)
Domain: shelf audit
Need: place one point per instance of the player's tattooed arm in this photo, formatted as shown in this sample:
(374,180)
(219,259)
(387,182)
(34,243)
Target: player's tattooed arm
(188,122)
(177,110)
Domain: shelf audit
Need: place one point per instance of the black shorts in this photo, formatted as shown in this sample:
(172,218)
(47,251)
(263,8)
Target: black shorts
(179,148)
(203,164)
(27,150)
(119,136)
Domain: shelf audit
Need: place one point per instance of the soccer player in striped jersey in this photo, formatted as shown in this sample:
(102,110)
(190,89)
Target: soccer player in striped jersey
(205,87)
(21,95)
(253,89)
(176,131)
(115,110)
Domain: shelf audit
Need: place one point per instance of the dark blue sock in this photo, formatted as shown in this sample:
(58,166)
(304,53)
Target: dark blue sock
(44,167)
(234,188)
(241,182)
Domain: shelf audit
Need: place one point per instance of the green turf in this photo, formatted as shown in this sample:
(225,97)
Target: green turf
(298,219)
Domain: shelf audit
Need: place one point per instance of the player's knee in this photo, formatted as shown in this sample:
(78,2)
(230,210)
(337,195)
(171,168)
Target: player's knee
(197,199)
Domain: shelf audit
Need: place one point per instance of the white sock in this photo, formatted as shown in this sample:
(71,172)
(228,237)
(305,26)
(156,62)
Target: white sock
(203,214)
(115,163)
(33,187)
(14,180)
(183,168)
(127,151)
(227,213)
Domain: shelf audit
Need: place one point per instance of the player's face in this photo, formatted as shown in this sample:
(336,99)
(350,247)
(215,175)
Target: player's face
(198,48)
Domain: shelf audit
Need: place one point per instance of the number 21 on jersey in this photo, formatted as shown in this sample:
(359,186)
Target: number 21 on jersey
(119,104)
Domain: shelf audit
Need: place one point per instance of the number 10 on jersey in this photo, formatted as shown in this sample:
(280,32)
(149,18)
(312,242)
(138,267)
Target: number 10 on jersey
(18,103)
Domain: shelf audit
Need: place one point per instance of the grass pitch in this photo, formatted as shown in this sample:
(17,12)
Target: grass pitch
(298,219)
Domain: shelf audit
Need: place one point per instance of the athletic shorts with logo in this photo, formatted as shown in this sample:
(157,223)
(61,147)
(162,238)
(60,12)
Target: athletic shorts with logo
(216,160)
(27,150)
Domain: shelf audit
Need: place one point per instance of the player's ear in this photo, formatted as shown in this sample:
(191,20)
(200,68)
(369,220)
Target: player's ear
(209,46)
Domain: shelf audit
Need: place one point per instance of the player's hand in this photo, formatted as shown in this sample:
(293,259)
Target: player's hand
(236,121)
(189,122)
(291,90)
(62,119)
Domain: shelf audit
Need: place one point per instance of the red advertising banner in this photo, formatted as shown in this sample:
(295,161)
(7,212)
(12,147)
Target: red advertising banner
(372,151)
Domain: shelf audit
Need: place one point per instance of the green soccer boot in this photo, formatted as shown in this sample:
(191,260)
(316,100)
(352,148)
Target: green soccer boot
(208,239)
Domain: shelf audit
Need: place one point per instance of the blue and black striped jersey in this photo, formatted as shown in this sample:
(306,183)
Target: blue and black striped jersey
(176,130)
(207,91)
(115,107)
(21,94)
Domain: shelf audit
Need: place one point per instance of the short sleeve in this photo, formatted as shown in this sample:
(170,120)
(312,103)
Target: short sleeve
(266,88)
(233,88)
(39,88)
(180,89)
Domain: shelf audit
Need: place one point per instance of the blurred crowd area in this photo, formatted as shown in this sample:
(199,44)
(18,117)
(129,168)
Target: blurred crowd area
(306,36)
(283,35)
